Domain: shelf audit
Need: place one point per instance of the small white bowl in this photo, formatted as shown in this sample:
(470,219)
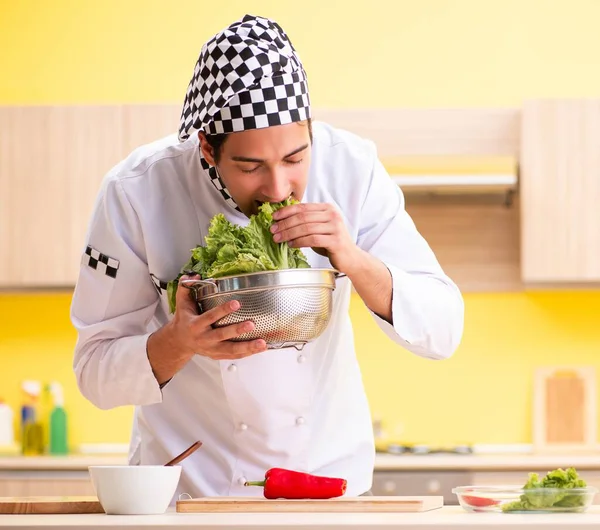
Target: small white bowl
(135,490)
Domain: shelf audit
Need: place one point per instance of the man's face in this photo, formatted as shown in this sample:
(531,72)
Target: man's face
(263,165)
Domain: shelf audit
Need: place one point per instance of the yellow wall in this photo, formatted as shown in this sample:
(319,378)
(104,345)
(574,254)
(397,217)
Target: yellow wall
(36,342)
(394,52)
(481,395)
(402,52)
(484,393)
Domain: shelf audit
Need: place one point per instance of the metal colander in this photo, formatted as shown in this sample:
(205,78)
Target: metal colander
(288,307)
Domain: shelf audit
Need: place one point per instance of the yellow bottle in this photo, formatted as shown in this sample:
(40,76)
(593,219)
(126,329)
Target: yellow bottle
(32,434)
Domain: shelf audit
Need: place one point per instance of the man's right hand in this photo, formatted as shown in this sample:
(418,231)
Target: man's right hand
(189,333)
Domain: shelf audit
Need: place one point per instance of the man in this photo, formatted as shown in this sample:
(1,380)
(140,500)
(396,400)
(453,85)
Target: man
(246,137)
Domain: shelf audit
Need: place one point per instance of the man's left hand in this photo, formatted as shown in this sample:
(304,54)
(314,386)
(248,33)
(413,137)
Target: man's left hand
(316,225)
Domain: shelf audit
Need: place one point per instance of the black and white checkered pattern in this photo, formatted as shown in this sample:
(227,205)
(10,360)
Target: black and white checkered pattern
(277,101)
(100,262)
(248,76)
(218,183)
(160,285)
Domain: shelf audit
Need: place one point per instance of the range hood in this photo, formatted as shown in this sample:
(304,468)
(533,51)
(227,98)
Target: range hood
(457,183)
(454,175)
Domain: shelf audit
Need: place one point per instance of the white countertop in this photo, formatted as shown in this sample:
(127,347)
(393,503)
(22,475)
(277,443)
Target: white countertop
(447,518)
(526,462)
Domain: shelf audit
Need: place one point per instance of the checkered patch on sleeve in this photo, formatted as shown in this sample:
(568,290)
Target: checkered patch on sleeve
(161,286)
(100,262)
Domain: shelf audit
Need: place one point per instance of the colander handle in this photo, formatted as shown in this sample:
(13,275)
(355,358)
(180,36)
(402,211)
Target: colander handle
(196,285)
(338,274)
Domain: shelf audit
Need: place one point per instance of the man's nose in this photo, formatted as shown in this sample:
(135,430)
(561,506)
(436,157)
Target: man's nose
(277,188)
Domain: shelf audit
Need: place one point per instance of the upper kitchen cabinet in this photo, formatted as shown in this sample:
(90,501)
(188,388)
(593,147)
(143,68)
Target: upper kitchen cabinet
(560,191)
(52,162)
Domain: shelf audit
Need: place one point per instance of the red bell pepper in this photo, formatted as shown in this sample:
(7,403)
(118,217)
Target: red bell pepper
(287,484)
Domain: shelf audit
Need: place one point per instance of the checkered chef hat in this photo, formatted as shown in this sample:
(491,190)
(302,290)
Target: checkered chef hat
(248,76)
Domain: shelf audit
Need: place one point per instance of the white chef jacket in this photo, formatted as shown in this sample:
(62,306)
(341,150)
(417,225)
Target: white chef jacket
(282,408)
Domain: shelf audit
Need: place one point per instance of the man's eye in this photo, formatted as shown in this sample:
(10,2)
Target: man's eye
(249,170)
(292,162)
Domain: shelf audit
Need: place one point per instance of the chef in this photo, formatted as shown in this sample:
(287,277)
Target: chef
(246,137)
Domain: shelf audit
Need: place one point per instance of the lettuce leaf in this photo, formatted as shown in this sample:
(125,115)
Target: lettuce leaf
(538,499)
(231,249)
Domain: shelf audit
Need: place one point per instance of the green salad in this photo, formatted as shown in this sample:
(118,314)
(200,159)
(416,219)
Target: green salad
(549,492)
(231,249)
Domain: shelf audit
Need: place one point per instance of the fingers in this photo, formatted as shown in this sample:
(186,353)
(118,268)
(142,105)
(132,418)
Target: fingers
(293,209)
(316,241)
(216,313)
(184,297)
(197,334)
(230,332)
(216,343)
(238,350)
(224,348)
(311,221)
(312,229)
(301,218)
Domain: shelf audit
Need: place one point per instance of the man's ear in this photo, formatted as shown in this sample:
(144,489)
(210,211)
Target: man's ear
(207,151)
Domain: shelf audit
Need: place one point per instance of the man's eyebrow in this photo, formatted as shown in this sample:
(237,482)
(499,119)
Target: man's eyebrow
(246,159)
(261,161)
(296,151)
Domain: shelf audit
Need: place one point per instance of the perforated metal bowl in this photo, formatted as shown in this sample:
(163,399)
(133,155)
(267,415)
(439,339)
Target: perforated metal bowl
(288,307)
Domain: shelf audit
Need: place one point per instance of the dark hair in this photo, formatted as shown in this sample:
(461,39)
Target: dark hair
(216,141)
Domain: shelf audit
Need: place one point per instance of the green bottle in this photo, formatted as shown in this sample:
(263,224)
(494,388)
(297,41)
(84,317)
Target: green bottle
(58,423)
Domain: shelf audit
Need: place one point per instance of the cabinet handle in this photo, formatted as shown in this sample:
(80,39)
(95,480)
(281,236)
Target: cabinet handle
(389,486)
(434,486)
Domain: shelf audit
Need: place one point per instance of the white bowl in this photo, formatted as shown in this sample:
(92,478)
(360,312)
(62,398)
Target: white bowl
(135,490)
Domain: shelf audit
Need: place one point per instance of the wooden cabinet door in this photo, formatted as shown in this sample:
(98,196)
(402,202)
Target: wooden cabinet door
(560,191)
(52,162)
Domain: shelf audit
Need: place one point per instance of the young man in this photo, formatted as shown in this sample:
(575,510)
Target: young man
(246,137)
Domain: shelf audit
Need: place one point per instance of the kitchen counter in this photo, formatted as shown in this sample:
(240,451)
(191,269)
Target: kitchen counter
(435,474)
(383,462)
(447,518)
(514,462)
(59,463)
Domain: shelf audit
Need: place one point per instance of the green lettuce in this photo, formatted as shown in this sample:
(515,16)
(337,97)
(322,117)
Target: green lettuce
(231,249)
(538,499)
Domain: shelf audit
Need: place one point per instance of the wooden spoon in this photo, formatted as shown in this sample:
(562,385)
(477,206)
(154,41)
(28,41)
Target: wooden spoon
(191,449)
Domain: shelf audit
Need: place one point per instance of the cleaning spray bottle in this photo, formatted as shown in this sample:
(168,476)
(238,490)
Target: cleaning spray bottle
(58,422)
(32,435)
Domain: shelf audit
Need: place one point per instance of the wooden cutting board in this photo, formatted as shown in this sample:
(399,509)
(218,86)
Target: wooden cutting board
(49,505)
(564,416)
(339,504)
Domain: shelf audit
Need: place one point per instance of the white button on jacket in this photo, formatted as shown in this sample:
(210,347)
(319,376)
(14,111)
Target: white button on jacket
(151,210)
